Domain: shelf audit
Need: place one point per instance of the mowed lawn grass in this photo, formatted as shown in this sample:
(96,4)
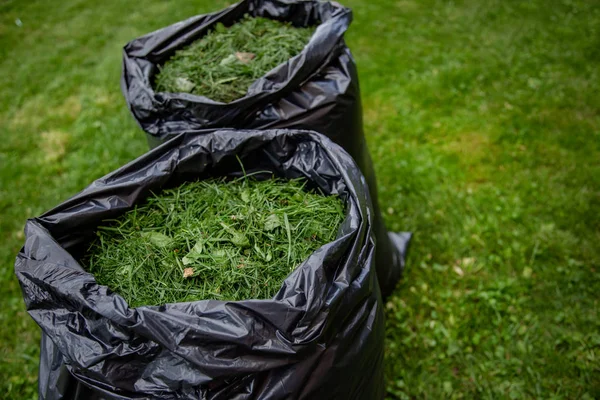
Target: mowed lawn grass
(483,119)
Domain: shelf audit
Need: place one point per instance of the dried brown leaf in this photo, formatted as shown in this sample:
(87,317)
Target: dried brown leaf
(188,272)
(244,57)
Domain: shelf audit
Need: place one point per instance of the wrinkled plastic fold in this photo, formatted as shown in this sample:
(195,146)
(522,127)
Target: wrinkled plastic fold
(320,337)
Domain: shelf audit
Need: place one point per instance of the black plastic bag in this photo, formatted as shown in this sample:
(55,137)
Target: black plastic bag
(320,337)
(316,90)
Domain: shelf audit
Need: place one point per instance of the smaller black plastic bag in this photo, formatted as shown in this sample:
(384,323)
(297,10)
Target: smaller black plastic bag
(320,337)
(316,90)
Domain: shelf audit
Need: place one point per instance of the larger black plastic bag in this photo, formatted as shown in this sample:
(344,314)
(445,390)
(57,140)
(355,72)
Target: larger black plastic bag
(320,337)
(317,90)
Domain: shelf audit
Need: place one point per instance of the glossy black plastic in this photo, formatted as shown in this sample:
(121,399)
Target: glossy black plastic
(320,337)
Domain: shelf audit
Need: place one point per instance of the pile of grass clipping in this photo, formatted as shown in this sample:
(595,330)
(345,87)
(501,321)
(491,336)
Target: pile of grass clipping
(223,64)
(213,240)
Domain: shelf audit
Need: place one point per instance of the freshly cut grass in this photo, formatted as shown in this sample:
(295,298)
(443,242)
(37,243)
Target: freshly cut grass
(223,64)
(213,240)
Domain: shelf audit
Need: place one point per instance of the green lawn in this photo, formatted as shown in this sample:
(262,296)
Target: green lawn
(483,118)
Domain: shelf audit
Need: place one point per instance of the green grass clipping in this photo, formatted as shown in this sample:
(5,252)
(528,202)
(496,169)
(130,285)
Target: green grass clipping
(216,239)
(223,64)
